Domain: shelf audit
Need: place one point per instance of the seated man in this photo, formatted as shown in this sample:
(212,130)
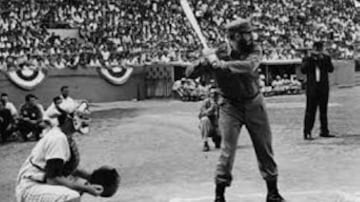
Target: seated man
(177,89)
(277,85)
(286,83)
(209,115)
(53,111)
(6,122)
(190,90)
(68,104)
(295,85)
(9,105)
(30,118)
(180,90)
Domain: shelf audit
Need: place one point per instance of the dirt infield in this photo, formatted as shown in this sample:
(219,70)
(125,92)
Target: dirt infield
(156,147)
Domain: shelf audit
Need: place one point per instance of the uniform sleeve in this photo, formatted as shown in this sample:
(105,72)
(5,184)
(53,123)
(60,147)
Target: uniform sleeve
(57,147)
(330,64)
(197,69)
(23,112)
(202,109)
(39,113)
(52,112)
(12,109)
(207,108)
(250,65)
(54,168)
(304,65)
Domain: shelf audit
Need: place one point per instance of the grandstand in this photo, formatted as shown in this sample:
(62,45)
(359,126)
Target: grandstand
(113,32)
(123,27)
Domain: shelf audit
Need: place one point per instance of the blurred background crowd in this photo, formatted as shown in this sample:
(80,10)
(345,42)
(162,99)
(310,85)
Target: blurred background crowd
(139,31)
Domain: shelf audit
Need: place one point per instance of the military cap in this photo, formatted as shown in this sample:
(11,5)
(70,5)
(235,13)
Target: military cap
(239,25)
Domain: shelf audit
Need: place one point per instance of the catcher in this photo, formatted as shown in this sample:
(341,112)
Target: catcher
(209,115)
(51,171)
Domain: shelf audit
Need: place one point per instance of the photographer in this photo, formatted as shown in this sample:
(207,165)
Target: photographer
(209,117)
(316,66)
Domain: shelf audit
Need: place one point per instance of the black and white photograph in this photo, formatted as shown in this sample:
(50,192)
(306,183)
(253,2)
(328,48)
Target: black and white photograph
(179,100)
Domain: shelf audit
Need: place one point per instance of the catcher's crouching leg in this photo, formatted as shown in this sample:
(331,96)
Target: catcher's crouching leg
(216,137)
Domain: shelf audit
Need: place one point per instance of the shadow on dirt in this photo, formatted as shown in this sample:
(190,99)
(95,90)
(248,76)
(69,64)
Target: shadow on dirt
(339,139)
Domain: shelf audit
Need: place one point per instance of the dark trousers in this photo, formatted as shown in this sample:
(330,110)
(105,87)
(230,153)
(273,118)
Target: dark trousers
(317,97)
(5,133)
(25,128)
(253,115)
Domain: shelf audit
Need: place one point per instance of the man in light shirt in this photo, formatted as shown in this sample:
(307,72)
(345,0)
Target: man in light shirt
(52,112)
(68,104)
(64,101)
(9,105)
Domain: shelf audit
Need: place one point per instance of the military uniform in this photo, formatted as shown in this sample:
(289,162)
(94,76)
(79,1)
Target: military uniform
(237,78)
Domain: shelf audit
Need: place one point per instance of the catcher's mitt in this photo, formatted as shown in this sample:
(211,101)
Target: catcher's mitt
(108,177)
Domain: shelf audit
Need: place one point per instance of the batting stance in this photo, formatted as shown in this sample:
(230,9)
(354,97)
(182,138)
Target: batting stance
(235,70)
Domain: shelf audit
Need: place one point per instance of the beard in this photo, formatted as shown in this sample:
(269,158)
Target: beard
(245,46)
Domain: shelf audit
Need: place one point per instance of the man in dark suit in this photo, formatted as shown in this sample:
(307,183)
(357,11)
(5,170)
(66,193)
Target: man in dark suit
(316,65)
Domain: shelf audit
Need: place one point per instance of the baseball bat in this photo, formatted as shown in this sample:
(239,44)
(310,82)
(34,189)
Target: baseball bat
(194,23)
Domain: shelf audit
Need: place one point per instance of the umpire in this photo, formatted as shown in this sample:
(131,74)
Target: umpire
(316,66)
(234,67)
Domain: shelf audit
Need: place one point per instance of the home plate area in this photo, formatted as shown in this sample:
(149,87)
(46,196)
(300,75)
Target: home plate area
(310,196)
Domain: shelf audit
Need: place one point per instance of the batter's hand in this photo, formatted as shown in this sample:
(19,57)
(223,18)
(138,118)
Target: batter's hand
(218,64)
(95,189)
(210,55)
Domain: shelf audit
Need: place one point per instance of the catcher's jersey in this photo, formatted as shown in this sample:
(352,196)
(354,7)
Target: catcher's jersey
(54,145)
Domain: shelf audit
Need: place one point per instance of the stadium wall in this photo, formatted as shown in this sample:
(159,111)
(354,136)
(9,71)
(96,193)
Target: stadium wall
(84,84)
(145,82)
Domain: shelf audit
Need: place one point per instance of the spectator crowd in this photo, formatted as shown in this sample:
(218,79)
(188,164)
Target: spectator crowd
(113,32)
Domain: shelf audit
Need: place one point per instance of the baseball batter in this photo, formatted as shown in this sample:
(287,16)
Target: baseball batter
(235,70)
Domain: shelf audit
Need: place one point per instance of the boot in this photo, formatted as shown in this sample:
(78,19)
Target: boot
(219,193)
(206,147)
(273,194)
(307,136)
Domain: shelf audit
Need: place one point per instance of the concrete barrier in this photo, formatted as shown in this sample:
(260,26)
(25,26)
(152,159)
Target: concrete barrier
(344,73)
(83,83)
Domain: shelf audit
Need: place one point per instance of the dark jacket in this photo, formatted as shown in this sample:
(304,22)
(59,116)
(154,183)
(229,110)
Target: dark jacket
(5,118)
(308,67)
(32,112)
(239,81)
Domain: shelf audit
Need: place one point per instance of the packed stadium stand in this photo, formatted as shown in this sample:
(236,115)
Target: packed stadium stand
(114,31)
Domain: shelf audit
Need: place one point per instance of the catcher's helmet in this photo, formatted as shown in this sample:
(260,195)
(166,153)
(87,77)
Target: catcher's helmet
(108,177)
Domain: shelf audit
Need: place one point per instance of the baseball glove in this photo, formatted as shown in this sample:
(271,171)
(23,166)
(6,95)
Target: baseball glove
(108,177)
